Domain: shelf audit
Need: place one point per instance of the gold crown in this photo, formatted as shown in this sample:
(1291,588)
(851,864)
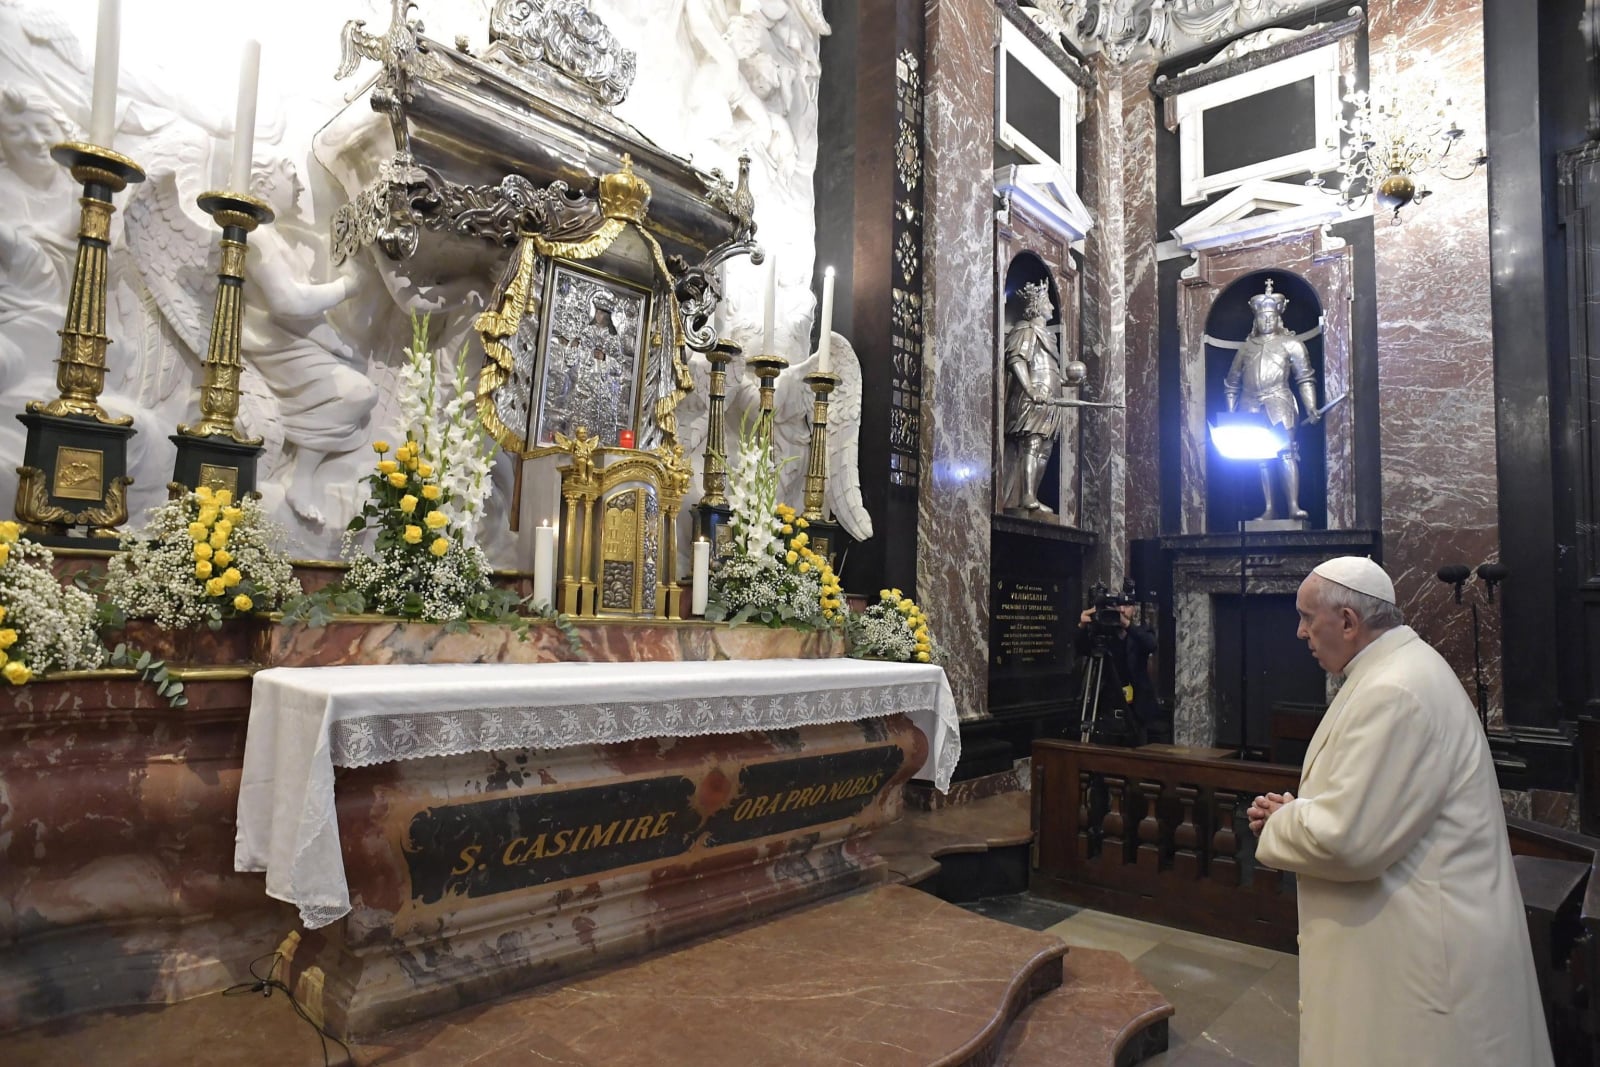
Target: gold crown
(623,194)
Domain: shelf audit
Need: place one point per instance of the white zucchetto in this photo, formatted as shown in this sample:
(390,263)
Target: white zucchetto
(1358,573)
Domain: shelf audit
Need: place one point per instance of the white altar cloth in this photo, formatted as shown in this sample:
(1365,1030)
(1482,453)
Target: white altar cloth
(304,721)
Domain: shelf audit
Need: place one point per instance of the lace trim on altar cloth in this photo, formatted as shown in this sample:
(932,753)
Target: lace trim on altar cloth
(370,739)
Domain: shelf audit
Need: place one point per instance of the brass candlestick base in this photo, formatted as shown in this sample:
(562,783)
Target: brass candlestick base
(822,385)
(75,462)
(767,367)
(213,451)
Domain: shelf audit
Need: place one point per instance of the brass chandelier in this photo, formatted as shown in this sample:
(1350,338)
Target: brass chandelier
(1384,145)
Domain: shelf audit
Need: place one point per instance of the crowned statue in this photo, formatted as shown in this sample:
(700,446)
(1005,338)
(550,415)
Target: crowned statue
(1265,366)
(1034,415)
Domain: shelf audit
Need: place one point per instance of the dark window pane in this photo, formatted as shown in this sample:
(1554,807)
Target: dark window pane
(1278,122)
(1032,109)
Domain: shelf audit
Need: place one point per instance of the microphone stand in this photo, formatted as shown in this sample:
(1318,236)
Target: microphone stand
(1477,672)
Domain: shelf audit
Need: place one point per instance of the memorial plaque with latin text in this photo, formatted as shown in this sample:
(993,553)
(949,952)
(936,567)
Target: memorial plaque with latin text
(1034,601)
(494,846)
(787,795)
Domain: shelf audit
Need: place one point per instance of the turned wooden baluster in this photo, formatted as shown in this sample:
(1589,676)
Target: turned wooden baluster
(1149,854)
(1224,843)
(1187,860)
(1112,842)
(1086,837)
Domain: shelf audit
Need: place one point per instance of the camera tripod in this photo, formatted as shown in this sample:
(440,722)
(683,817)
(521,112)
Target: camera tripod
(1094,674)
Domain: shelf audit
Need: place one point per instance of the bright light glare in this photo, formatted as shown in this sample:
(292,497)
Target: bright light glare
(1250,440)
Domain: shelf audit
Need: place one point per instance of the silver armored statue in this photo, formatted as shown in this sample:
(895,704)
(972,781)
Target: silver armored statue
(1267,364)
(1034,414)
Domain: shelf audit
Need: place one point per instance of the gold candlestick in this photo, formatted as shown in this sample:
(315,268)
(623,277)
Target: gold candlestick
(822,384)
(715,477)
(237,214)
(213,451)
(75,462)
(767,368)
(81,367)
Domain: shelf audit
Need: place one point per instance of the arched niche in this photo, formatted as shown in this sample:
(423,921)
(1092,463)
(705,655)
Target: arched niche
(1233,488)
(1058,488)
(1322,265)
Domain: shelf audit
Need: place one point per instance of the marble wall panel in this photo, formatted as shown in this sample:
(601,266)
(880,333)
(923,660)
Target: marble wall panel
(1435,348)
(958,374)
(1119,307)
(1142,428)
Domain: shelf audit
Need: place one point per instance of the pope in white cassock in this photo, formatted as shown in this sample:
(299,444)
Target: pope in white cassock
(1413,943)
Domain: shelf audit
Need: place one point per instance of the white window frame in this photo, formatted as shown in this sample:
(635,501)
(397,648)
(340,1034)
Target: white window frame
(1322,65)
(1015,43)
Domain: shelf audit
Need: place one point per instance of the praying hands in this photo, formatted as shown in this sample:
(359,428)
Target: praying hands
(1262,808)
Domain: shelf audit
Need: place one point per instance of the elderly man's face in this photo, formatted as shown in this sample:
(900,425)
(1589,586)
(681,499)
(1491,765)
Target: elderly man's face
(1333,635)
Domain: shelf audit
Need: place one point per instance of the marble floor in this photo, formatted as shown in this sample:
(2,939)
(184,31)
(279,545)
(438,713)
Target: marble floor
(1234,1004)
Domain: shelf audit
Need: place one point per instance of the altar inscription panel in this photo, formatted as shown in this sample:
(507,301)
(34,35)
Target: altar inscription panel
(520,841)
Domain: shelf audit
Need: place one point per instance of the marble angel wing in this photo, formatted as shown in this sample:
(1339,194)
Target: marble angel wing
(844,433)
(792,435)
(176,257)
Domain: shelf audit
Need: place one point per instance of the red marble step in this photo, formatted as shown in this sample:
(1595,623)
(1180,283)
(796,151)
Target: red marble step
(1104,1015)
(890,976)
(913,843)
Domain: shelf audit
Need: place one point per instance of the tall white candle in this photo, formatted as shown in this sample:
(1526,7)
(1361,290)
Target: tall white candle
(769,303)
(825,338)
(544,562)
(244,118)
(107,48)
(702,577)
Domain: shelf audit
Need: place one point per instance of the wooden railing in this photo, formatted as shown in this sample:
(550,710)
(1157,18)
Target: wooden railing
(1557,873)
(1159,837)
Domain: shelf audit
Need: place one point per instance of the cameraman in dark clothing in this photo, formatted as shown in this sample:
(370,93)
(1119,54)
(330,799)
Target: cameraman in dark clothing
(1127,646)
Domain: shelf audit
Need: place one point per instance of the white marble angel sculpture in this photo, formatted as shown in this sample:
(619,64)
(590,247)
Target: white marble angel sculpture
(791,436)
(37,231)
(322,397)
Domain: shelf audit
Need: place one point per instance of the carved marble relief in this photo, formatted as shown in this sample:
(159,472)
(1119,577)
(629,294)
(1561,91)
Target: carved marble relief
(325,327)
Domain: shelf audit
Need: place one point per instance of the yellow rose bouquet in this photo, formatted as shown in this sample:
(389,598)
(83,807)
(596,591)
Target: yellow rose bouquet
(893,629)
(424,499)
(44,626)
(769,574)
(201,557)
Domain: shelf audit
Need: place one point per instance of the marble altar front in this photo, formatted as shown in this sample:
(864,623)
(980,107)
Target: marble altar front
(493,826)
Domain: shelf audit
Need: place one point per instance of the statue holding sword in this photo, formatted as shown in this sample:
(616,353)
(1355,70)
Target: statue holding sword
(1269,368)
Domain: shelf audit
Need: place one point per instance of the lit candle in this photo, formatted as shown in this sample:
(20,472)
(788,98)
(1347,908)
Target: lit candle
(825,339)
(107,46)
(770,303)
(702,576)
(244,118)
(544,562)
(625,438)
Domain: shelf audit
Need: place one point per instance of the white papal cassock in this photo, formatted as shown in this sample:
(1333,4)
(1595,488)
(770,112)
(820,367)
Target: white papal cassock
(1413,943)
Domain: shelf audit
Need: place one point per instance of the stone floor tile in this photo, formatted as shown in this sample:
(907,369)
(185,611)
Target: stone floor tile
(1087,935)
(1234,951)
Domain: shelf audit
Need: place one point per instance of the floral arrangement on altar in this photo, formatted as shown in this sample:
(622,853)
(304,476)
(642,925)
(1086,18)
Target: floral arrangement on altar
(892,629)
(425,499)
(201,558)
(44,626)
(770,574)
(424,503)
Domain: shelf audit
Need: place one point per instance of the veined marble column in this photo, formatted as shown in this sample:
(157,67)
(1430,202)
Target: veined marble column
(1119,314)
(958,373)
(1435,352)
